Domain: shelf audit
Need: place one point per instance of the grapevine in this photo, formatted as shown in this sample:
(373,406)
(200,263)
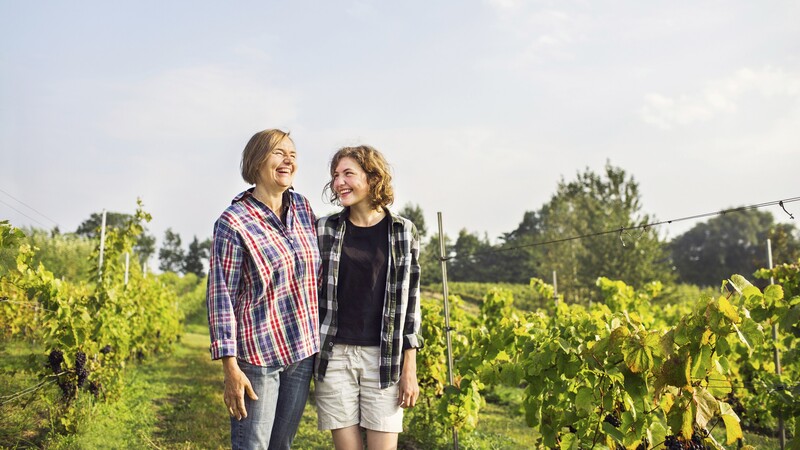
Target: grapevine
(617,374)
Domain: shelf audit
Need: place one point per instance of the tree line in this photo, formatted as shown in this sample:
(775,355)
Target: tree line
(592,203)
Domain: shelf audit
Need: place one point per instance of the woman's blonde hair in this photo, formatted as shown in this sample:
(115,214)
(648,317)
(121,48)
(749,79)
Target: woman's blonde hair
(381,193)
(257,150)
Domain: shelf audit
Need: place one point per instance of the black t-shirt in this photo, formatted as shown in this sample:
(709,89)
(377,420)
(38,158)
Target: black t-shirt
(362,283)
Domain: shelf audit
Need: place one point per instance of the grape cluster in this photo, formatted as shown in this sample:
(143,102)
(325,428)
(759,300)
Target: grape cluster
(643,445)
(67,388)
(54,361)
(696,443)
(612,420)
(94,388)
(107,349)
(676,443)
(80,368)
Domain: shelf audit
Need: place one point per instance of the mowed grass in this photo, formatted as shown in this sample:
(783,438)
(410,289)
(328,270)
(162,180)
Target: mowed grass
(175,402)
(171,402)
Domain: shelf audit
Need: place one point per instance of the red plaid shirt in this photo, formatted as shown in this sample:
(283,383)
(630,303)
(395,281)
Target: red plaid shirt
(262,283)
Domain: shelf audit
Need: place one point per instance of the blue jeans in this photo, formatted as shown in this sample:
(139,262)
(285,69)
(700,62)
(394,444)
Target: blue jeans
(272,420)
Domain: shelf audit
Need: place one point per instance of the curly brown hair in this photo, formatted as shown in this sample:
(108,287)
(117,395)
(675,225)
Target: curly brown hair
(378,173)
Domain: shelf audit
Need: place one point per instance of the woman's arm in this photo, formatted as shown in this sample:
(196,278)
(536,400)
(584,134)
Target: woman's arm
(408,389)
(236,385)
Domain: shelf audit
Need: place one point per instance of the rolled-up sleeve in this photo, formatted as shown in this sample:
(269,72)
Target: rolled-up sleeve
(223,280)
(412,337)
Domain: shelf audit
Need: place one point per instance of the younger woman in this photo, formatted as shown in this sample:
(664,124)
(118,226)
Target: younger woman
(366,370)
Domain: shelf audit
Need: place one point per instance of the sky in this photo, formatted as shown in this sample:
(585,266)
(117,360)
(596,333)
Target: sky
(480,106)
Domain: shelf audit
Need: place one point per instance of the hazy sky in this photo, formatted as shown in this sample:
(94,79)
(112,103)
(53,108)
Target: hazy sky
(480,106)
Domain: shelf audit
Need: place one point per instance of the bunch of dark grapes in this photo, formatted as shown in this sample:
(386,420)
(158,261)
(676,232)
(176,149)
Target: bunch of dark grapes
(673,443)
(94,388)
(80,368)
(676,443)
(612,420)
(696,443)
(67,388)
(105,350)
(54,361)
(643,445)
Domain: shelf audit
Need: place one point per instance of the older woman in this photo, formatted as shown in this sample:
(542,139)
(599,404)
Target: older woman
(262,297)
(366,371)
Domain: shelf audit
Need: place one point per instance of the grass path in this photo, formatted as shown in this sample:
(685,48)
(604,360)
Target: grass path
(172,402)
(175,402)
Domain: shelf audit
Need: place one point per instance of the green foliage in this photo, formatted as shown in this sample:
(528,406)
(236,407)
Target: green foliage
(526,297)
(430,265)
(193,262)
(592,203)
(414,213)
(145,245)
(68,256)
(475,259)
(618,371)
(734,242)
(89,330)
(171,256)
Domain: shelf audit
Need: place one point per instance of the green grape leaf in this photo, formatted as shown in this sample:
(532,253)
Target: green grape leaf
(790,318)
(569,441)
(718,385)
(657,432)
(571,367)
(673,373)
(687,424)
(502,356)
(613,432)
(701,363)
(773,294)
(733,428)
(728,310)
(739,283)
(638,354)
(754,332)
(635,386)
(584,401)
(743,340)
(667,342)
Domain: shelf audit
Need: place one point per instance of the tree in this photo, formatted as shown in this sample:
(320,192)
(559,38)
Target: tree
(198,252)
(732,243)
(171,256)
(145,245)
(415,215)
(430,265)
(475,259)
(592,203)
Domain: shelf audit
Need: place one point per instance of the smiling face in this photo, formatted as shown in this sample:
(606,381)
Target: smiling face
(351,184)
(276,173)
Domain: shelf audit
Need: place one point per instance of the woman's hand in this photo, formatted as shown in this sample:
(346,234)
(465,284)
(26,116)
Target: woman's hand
(236,384)
(408,389)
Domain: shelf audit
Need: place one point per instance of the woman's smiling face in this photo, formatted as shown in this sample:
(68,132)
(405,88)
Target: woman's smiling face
(350,182)
(277,171)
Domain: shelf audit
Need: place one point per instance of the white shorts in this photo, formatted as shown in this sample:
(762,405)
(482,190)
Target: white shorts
(350,394)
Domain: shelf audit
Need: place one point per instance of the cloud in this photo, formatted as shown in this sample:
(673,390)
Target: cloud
(539,35)
(720,97)
(197,102)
